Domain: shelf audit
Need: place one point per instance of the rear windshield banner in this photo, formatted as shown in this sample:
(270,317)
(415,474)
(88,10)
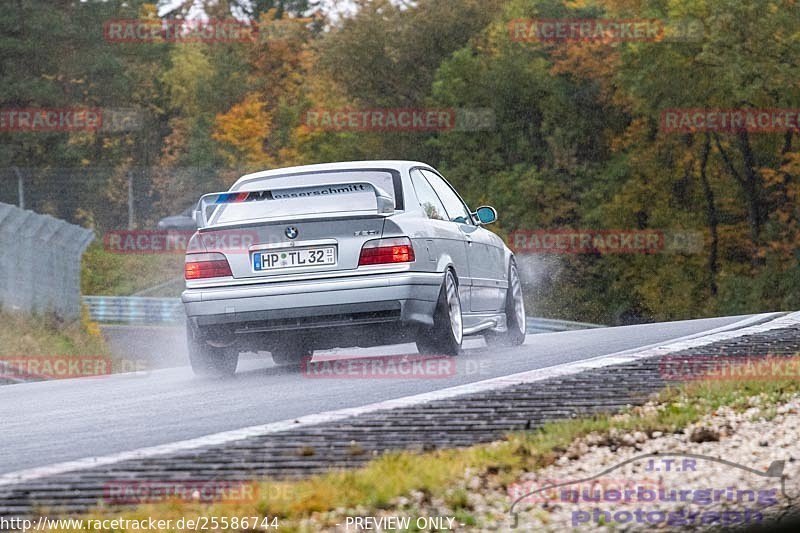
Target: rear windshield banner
(299,192)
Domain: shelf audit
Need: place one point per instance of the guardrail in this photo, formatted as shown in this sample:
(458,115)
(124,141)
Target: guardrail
(135,309)
(149,310)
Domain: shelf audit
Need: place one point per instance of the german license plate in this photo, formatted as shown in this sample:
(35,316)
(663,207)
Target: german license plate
(289,258)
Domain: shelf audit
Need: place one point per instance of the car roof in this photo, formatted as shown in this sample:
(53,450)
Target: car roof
(399,165)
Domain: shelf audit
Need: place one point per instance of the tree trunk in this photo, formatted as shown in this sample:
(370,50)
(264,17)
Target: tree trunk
(751,187)
(753,190)
(711,217)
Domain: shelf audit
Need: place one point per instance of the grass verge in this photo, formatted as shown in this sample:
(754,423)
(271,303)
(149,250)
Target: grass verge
(25,335)
(41,347)
(106,273)
(379,484)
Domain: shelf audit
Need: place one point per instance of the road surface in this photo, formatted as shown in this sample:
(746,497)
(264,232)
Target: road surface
(45,423)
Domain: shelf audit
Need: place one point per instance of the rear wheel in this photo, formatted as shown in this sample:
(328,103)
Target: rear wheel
(515,314)
(448,328)
(208,360)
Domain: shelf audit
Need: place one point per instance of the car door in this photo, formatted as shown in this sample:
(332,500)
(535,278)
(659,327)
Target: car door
(445,236)
(490,277)
(484,249)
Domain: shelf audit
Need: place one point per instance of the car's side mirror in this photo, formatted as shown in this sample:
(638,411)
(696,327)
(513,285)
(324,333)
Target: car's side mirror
(486,214)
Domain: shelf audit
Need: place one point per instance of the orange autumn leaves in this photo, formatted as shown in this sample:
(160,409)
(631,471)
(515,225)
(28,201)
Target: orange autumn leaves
(243,131)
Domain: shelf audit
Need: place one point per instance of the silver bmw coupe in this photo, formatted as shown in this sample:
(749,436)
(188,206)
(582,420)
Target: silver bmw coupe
(351,254)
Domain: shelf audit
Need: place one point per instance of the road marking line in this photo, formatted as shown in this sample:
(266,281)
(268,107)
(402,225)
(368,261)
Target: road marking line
(737,329)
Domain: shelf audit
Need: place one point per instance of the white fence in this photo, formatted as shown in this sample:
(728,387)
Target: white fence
(40,262)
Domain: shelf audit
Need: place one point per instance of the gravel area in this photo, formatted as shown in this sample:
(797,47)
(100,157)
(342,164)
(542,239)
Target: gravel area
(708,494)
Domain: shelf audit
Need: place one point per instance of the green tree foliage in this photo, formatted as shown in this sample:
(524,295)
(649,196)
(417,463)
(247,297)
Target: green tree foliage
(55,55)
(576,140)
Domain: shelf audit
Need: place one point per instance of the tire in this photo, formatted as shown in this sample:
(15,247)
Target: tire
(211,361)
(291,355)
(447,333)
(515,313)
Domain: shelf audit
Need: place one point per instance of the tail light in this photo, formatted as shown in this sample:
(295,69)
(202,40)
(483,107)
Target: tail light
(211,265)
(383,251)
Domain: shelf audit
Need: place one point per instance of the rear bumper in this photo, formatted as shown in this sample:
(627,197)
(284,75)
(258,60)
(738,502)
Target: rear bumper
(408,297)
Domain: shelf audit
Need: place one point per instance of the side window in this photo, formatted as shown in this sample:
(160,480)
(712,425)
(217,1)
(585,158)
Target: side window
(456,210)
(428,200)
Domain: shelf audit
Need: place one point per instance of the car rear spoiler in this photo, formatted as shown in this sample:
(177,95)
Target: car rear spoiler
(384,204)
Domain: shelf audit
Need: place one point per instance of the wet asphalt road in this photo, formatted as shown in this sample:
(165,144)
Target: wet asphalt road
(50,422)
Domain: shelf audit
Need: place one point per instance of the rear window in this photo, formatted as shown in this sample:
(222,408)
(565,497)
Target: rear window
(312,193)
